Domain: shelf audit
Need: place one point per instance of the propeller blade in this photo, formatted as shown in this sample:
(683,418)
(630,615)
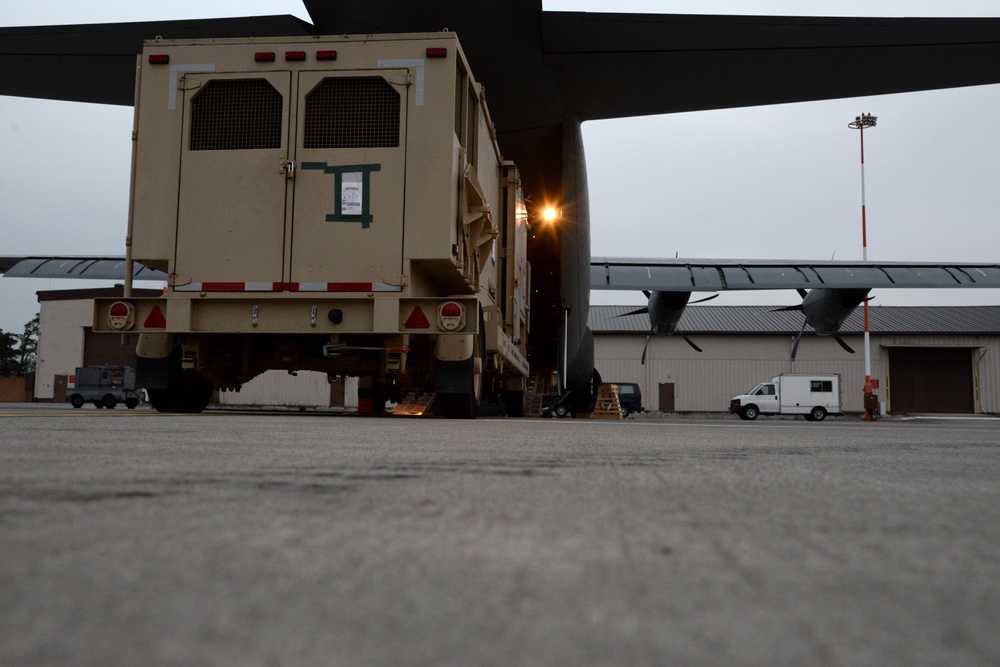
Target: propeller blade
(646,346)
(786,309)
(690,342)
(647,293)
(707,298)
(795,346)
(802,292)
(640,311)
(842,343)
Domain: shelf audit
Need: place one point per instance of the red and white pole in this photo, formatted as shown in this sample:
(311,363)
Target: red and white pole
(860,123)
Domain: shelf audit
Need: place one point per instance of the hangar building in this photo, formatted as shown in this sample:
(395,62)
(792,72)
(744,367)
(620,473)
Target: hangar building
(924,359)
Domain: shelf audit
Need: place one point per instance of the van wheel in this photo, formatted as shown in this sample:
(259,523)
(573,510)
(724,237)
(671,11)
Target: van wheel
(76,400)
(625,411)
(750,412)
(818,413)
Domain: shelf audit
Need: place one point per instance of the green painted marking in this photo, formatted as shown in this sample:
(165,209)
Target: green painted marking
(365,217)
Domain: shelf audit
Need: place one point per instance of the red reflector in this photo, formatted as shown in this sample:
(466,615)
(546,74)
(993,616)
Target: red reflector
(451,309)
(158,59)
(440,52)
(156,320)
(118,309)
(417,320)
(295,56)
(326,55)
(264,56)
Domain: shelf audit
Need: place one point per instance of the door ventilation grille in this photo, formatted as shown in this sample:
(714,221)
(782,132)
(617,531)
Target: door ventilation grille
(236,115)
(356,112)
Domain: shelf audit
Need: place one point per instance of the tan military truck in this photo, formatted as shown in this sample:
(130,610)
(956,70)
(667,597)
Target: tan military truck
(331,204)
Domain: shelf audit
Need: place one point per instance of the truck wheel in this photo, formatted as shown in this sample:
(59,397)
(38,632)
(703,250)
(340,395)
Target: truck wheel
(750,412)
(818,413)
(109,401)
(76,400)
(459,384)
(561,410)
(131,403)
(98,404)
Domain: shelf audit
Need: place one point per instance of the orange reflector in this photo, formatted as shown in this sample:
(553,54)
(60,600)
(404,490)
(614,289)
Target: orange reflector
(158,59)
(417,320)
(155,320)
(264,56)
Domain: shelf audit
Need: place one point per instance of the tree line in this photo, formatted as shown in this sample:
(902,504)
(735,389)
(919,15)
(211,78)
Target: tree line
(19,352)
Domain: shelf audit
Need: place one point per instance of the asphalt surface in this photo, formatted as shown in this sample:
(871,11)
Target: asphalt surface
(132,538)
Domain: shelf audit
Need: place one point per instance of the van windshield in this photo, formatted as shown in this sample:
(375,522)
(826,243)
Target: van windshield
(753,392)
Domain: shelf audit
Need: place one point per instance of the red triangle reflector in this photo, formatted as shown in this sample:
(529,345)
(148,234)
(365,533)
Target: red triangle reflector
(417,320)
(155,320)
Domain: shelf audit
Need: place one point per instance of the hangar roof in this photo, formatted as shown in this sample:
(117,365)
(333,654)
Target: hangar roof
(962,320)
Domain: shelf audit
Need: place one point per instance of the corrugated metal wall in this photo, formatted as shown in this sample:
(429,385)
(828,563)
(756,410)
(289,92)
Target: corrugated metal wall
(731,364)
(307,389)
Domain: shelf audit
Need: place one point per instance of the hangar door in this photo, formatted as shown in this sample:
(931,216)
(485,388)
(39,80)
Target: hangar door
(931,379)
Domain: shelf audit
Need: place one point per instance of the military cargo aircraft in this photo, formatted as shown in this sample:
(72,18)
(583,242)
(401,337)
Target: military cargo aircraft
(548,72)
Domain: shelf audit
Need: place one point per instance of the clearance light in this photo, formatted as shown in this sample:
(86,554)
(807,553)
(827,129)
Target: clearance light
(326,55)
(264,56)
(451,316)
(295,56)
(158,59)
(439,52)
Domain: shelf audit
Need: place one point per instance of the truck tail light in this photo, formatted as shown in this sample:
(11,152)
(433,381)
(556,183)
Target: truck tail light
(295,56)
(326,55)
(451,316)
(438,52)
(264,56)
(121,316)
(158,59)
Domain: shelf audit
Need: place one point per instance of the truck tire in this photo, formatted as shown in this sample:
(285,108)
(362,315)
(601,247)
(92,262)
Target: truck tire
(818,413)
(109,401)
(76,400)
(750,412)
(131,403)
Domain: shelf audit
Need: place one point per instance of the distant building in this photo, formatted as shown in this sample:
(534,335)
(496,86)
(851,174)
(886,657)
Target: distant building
(924,359)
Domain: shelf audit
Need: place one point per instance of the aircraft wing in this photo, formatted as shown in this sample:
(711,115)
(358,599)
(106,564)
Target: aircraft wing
(541,66)
(96,62)
(79,267)
(615,65)
(710,275)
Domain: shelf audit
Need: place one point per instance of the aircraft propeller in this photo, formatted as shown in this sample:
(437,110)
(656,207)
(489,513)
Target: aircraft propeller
(825,311)
(664,310)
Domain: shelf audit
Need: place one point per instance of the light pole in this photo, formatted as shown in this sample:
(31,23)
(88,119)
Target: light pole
(860,123)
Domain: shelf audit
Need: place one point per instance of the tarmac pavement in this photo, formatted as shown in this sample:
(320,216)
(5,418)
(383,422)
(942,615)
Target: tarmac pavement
(133,538)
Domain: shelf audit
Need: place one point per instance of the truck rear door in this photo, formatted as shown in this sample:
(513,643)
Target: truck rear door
(232,191)
(349,185)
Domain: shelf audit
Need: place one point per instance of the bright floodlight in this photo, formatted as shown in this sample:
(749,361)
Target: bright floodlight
(549,214)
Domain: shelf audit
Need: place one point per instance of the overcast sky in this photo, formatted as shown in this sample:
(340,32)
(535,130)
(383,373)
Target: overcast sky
(780,182)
